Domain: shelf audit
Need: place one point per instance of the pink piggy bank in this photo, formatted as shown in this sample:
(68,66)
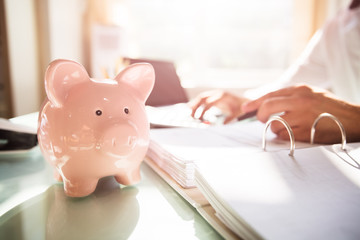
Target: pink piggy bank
(93,128)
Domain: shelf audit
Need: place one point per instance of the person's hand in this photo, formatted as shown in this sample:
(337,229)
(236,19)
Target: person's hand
(300,106)
(229,103)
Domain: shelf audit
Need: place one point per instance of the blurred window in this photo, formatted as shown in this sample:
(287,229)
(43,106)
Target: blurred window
(214,43)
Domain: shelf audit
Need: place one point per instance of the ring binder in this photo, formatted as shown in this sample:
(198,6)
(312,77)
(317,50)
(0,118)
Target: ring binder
(342,129)
(307,185)
(288,128)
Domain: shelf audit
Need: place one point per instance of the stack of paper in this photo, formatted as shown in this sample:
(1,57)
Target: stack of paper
(264,194)
(313,195)
(176,150)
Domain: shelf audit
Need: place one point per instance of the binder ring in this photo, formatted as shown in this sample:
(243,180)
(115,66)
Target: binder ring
(342,129)
(288,128)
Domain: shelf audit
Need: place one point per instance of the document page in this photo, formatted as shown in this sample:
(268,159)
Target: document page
(176,150)
(312,195)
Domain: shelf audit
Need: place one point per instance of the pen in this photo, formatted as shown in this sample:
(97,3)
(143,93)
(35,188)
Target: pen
(247,115)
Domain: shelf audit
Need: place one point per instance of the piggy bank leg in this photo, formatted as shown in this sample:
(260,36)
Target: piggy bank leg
(57,175)
(129,177)
(79,187)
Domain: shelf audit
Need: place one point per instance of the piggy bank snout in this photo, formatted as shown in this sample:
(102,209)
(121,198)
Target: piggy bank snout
(119,140)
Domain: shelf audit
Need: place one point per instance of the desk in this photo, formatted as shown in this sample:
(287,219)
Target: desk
(33,206)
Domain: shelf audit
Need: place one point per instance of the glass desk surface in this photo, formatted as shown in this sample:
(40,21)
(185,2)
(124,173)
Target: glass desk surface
(33,206)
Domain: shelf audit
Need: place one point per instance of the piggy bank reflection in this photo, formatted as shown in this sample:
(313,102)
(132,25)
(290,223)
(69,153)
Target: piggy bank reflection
(109,213)
(93,128)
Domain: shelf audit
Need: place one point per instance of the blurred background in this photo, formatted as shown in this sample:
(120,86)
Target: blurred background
(229,44)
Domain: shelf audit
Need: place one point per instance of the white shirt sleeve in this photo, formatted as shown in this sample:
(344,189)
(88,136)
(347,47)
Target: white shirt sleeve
(309,68)
(331,60)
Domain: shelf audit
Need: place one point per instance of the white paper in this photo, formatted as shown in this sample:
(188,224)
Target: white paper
(313,195)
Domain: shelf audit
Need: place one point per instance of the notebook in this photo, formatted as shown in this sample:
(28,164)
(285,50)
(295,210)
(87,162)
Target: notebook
(167,103)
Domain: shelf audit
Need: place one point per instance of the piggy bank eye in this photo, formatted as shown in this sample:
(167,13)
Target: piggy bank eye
(98,112)
(126,110)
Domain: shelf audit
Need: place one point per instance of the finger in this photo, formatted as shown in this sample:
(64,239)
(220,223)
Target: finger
(301,129)
(276,127)
(292,118)
(278,105)
(255,104)
(196,104)
(283,134)
(206,107)
(300,134)
(199,101)
(230,118)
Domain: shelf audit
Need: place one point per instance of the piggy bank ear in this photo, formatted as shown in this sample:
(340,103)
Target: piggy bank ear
(60,77)
(141,76)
